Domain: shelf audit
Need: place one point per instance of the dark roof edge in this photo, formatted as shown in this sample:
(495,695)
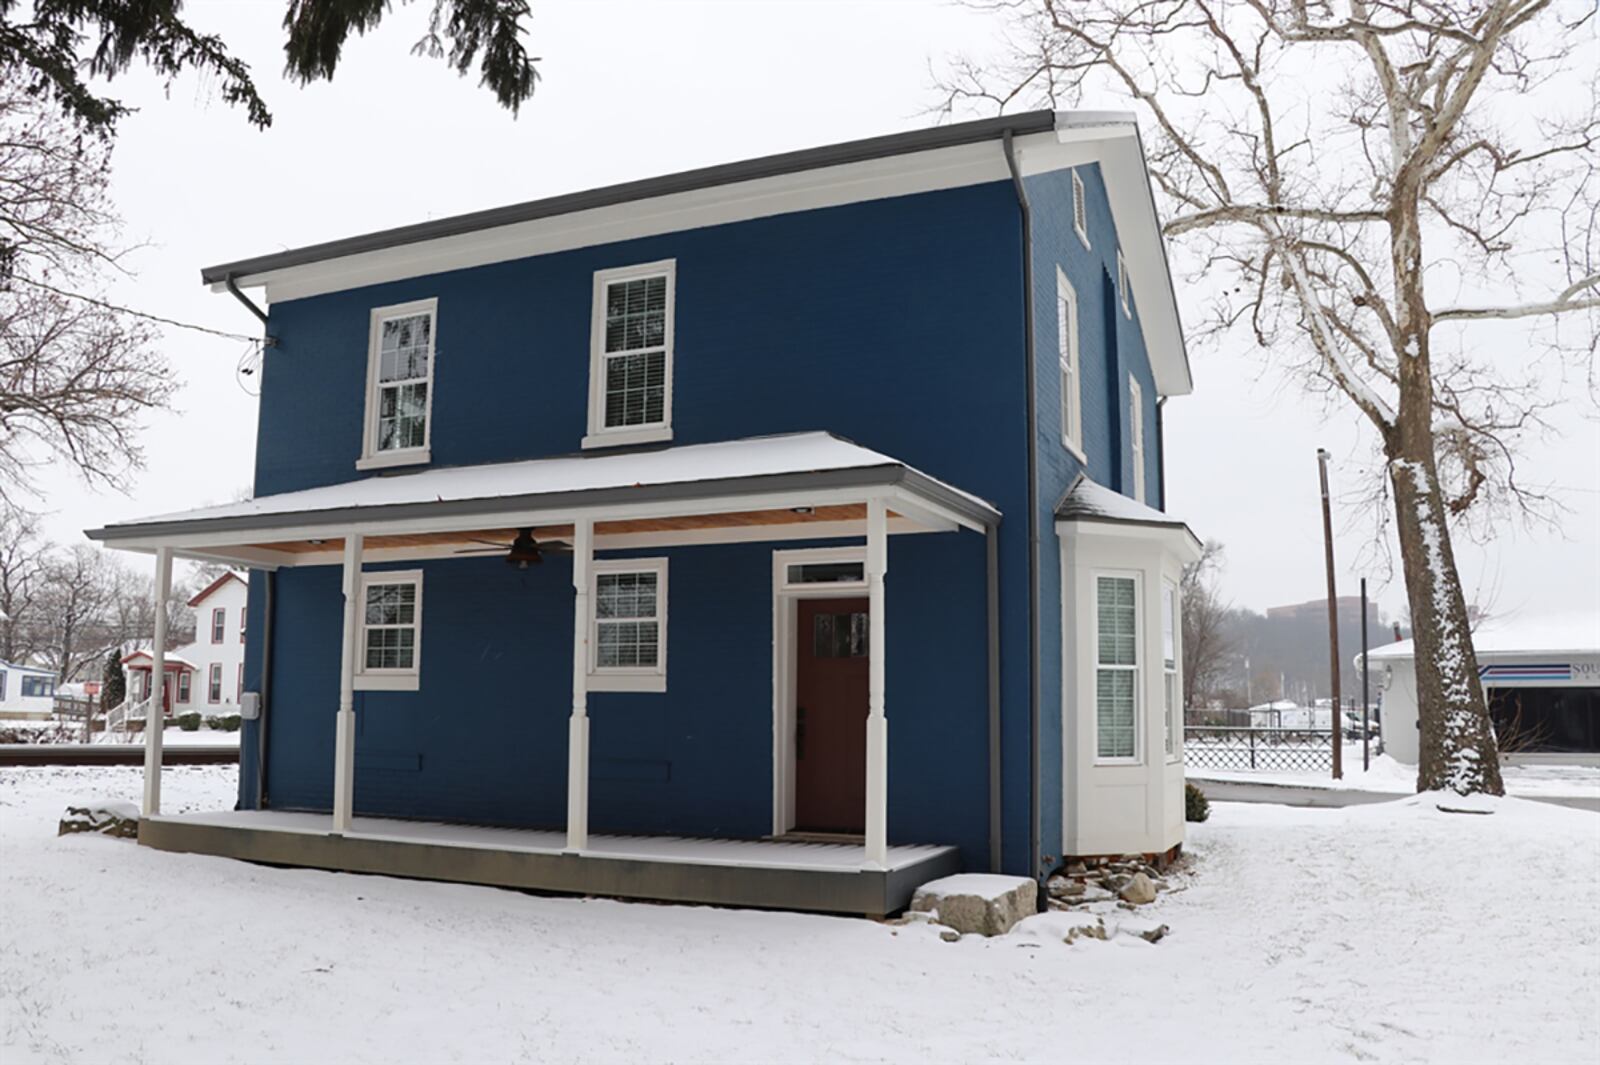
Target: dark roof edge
(685,181)
(882,474)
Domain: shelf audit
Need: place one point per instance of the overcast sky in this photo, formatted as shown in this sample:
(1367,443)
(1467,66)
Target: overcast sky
(632,90)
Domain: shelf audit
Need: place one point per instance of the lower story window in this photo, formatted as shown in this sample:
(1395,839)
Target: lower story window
(1171,704)
(1116,669)
(185,686)
(38,687)
(214,683)
(390,647)
(629,625)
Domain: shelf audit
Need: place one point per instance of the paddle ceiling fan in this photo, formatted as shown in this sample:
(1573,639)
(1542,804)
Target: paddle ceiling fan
(522,551)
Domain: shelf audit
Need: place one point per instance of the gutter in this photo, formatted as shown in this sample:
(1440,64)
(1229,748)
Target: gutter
(1026,211)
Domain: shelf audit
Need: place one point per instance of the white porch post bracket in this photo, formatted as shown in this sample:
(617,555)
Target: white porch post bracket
(155,706)
(877,567)
(344,744)
(578,730)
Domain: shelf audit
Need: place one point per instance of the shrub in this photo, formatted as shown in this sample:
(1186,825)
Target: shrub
(1195,805)
(230,722)
(213,722)
(189,722)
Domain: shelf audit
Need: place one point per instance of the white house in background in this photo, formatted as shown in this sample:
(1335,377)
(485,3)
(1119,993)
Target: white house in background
(26,693)
(1541,677)
(208,674)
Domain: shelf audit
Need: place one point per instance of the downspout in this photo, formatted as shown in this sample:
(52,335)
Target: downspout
(266,691)
(1033,504)
(991,540)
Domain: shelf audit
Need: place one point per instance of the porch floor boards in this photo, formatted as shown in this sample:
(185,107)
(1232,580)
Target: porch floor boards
(787,853)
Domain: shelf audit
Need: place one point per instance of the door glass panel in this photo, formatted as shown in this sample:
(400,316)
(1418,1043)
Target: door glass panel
(839,635)
(827,573)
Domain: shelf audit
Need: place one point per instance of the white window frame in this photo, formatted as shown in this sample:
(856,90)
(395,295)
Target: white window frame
(1136,669)
(1122,285)
(371,458)
(1171,675)
(388,680)
(1080,209)
(628,678)
(1136,434)
(1068,331)
(598,435)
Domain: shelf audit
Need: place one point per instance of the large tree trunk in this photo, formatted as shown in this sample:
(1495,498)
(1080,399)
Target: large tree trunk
(1457,745)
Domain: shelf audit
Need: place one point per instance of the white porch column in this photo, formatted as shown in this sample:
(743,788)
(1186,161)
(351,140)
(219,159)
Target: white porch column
(877,835)
(344,741)
(578,731)
(155,711)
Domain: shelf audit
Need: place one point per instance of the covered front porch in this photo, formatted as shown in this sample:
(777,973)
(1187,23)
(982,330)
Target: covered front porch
(772,495)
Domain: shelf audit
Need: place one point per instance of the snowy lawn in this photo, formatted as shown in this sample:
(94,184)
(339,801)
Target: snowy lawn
(1377,933)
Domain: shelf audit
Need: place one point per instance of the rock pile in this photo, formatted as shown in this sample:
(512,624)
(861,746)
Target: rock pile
(1129,881)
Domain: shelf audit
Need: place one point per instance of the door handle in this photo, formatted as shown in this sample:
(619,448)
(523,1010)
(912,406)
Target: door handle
(799,732)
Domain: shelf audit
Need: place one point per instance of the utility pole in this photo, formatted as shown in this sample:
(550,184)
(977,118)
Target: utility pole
(1333,618)
(1366,755)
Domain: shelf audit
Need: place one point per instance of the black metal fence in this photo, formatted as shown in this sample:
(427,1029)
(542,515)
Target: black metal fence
(1235,747)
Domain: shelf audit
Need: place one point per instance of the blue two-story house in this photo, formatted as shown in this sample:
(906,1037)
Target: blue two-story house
(785,533)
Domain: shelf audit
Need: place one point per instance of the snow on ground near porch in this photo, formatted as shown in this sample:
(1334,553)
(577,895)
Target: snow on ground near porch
(1377,933)
(1388,775)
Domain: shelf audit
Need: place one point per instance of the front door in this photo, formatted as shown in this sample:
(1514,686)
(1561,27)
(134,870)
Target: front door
(830,736)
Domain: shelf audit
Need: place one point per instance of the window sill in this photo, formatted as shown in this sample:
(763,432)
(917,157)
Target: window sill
(1075,451)
(651,434)
(1118,763)
(382,460)
(1083,237)
(627,682)
(387,682)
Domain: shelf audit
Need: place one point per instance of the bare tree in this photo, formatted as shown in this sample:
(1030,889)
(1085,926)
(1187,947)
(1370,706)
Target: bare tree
(76,372)
(79,598)
(1369,178)
(22,561)
(1207,643)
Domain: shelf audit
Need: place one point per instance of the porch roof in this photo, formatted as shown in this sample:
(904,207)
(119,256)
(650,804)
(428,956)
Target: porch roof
(797,485)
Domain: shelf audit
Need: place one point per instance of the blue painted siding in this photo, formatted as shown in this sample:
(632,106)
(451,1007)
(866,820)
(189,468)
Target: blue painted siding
(896,323)
(1111,347)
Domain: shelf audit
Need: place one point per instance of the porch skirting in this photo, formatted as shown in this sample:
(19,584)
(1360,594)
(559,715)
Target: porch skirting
(819,877)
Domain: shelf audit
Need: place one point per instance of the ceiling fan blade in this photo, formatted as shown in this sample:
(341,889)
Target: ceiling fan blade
(555,547)
(491,543)
(497,549)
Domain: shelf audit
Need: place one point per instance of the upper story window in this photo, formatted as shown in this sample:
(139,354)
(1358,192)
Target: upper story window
(219,623)
(630,358)
(242,613)
(1122,285)
(1071,375)
(1136,430)
(399,385)
(1080,210)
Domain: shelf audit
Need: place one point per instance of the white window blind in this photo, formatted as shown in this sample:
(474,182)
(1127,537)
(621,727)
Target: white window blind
(1116,672)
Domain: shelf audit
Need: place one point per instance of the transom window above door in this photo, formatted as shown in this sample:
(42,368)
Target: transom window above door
(400,360)
(630,368)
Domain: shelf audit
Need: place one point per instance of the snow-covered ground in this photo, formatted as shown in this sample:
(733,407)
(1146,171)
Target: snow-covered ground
(171,736)
(1388,775)
(1388,932)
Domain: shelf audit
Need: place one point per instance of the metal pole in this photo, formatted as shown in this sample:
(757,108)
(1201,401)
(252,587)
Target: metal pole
(1366,755)
(1333,618)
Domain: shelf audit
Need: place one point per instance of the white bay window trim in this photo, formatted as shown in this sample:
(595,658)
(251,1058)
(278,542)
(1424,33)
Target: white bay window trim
(633,678)
(1133,670)
(379,678)
(1122,285)
(1067,348)
(1171,683)
(655,431)
(372,455)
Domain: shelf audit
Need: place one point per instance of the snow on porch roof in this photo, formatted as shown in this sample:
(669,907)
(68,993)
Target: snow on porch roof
(795,462)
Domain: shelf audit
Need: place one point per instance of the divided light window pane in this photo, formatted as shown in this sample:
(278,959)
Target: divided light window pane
(405,365)
(636,352)
(1116,681)
(627,620)
(390,620)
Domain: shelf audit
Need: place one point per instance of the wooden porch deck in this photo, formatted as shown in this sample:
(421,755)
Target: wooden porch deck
(778,874)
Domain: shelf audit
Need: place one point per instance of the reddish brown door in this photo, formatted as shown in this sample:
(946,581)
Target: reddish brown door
(830,750)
